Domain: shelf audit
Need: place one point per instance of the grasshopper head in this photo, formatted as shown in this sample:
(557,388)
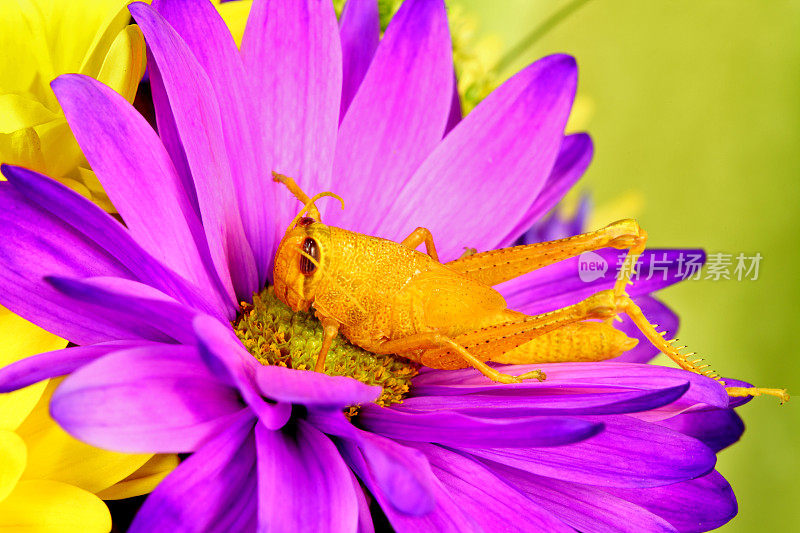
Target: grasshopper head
(300,258)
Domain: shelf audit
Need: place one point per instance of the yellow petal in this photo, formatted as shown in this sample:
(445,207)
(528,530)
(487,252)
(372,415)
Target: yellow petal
(91,187)
(143,480)
(17,112)
(12,461)
(235,16)
(19,61)
(21,339)
(53,454)
(36,506)
(124,65)
(61,150)
(22,148)
(117,18)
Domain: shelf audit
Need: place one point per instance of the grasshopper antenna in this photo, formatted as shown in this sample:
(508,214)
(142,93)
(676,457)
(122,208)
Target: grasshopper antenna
(308,203)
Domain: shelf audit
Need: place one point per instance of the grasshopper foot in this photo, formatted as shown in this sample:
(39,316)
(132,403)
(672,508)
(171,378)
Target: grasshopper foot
(508,378)
(781,394)
(533,374)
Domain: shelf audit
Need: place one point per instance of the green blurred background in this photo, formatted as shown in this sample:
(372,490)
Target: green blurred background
(697,106)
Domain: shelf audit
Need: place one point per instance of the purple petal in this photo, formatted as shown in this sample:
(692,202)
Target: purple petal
(529,403)
(303,483)
(657,313)
(197,117)
(365,524)
(293,54)
(559,285)
(58,363)
(359,29)
(738,401)
(313,388)
(628,453)
(145,312)
(228,359)
(398,115)
(36,244)
(587,509)
(582,378)
(440,512)
(494,161)
(456,429)
(151,399)
(718,428)
(700,504)
(573,159)
(209,39)
(75,214)
(138,176)
(485,497)
(455,115)
(402,474)
(168,131)
(213,490)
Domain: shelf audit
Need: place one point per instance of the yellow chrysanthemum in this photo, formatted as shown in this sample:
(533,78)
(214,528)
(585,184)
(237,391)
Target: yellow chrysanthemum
(42,39)
(48,480)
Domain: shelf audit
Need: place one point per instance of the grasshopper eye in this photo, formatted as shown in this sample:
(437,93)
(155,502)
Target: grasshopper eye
(305,221)
(307,267)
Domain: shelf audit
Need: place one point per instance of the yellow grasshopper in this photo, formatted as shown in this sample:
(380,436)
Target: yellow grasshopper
(389,298)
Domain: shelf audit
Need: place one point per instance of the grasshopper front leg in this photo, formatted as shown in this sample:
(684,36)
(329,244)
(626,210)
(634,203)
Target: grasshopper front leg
(417,237)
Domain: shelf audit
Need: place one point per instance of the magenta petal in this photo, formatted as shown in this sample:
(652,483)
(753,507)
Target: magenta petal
(488,499)
(628,453)
(145,312)
(456,429)
(293,54)
(696,505)
(209,39)
(359,28)
(397,117)
(213,490)
(587,509)
(58,363)
(495,161)
(313,388)
(573,159)
(197,117)
(158,399)
(138,176)
(303,483)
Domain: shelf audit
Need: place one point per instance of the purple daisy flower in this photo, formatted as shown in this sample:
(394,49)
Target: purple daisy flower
(159,367)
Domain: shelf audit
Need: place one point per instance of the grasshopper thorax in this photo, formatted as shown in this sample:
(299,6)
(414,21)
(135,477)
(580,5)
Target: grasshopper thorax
(300,263)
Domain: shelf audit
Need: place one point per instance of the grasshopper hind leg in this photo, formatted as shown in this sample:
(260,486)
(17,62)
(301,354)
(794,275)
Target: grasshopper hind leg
(626,305)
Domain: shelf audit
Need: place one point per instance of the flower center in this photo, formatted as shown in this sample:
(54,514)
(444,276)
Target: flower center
(275,335)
